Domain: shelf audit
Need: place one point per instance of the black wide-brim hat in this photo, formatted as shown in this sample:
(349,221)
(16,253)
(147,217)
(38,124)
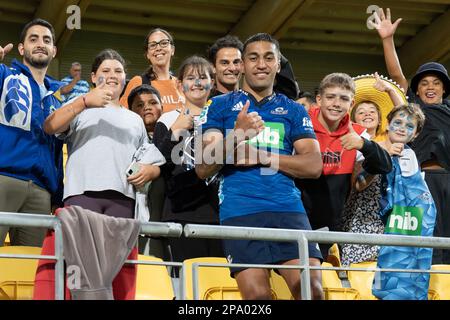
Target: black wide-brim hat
(432,68)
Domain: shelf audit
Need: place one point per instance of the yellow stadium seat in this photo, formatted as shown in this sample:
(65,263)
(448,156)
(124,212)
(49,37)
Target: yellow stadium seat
(153,282)
(332,286)
(65,156)
(215,283)
(334,256)
(362,280)
(280,289)
(17,275)
(439,288)
(7,240)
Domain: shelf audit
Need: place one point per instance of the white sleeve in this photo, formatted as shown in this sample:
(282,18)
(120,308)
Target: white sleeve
(408,163)
(359,155)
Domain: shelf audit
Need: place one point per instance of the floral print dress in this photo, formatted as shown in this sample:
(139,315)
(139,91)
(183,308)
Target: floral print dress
(361,216)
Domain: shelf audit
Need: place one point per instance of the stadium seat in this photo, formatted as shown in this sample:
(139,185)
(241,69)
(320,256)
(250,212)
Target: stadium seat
(215,283)
(7,240)
(334,257)
(362,280)
(65,156)
(279,287)
(17,275)
(332,286)
(153,282)
(439,288)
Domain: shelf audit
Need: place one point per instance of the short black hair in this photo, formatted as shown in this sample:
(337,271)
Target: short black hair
(308,96)
(225,42)
(263,37)
(37,22)
(142,89)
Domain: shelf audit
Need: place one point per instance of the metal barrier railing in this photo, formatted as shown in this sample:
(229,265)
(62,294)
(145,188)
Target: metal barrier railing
(224,232)
(51,222)
(302,237)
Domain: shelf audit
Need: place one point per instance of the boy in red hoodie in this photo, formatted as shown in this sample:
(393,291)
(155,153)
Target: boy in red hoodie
(342,145)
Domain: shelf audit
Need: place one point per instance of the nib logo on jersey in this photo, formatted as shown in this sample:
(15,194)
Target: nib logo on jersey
(405,221)
(272,136)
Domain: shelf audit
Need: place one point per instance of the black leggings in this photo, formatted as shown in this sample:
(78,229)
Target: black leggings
(438,182)
(109,202)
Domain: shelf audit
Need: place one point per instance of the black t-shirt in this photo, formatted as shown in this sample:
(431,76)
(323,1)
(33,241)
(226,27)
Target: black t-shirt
(433,143)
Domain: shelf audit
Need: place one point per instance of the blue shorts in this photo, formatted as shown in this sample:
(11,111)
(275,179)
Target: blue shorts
(267,252)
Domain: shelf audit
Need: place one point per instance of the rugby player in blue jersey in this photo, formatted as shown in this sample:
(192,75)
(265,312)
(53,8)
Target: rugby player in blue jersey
(259,141)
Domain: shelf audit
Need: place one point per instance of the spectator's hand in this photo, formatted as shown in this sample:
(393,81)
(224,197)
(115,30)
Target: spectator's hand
(248,125)
(384,24)
(98,97)
(381,85)
(146,173)
(352,140)
(4,51)
(396,149)
(77,76)
(185,121)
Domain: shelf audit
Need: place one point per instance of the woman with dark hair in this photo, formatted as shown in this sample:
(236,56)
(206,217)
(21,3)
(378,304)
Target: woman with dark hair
(189,199)
(159,49)
(429,87)
(99,132)
(102,138)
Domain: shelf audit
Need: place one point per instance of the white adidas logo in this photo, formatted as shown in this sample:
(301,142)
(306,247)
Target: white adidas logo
(238,106)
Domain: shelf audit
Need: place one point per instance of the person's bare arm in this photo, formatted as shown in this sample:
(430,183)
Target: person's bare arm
(212,154)
(305,163)
(69,87)
(60,119)
(384,86)
(386,30)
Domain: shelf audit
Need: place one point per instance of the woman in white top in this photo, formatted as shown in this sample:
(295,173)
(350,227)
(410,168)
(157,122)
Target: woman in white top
(102,137)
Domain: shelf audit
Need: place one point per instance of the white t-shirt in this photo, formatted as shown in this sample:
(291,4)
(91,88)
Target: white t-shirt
(101,143)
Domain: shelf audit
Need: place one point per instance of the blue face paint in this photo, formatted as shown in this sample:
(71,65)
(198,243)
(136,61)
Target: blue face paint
(197,82)
(207,86)
(101,79)
(403,123)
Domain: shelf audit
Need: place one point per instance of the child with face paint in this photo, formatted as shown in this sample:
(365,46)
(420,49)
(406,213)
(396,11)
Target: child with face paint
(189,199)
(405,124)
(406,198)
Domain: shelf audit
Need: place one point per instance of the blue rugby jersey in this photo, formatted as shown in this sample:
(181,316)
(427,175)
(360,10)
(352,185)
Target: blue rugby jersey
(247,190)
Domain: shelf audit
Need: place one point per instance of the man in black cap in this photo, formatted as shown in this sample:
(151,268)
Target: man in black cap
(429,87)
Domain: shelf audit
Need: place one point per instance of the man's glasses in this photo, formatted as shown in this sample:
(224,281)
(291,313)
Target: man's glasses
(163,43)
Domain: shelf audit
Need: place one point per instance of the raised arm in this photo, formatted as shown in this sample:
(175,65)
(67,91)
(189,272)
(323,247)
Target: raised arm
(60,120)
(69,87)
(386,30)
(384,86)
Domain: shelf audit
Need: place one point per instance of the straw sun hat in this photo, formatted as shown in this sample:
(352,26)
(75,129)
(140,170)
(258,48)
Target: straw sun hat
(366,92)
